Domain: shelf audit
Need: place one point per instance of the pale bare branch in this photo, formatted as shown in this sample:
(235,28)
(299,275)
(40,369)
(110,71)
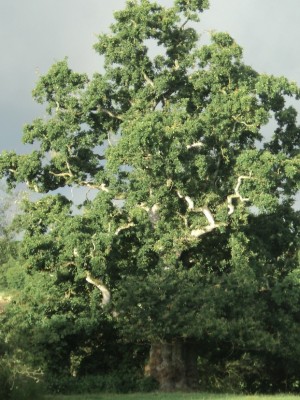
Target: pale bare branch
(121,228)
(110,113)
(208,215)
(237,194)
(153,212)
(61,174)
(243,122)
(100,285)
(91,185)
(199,232)
(193,145)
(148,80)
(176,65)
(188,200)
(208,228)
(75,252)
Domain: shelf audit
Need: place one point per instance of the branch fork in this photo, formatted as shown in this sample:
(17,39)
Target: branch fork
(237,194)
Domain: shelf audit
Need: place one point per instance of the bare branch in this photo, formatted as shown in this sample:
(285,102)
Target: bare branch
(188,200)
(108,139)
(110,113)
(199,232)
(121,228)
(243,123)
(152,212)
(176,65)
(208,215)
(208,228)
(93,186)
(193,145)
(237,194)
(33,186)
(61,174)
(100,285)
(184,23)
(148,80)
(75,252)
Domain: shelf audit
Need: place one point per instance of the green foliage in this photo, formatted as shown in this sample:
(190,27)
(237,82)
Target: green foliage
(17,380)
(119,381)
(191,230)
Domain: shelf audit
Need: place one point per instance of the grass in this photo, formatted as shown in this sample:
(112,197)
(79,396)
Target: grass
(171,396)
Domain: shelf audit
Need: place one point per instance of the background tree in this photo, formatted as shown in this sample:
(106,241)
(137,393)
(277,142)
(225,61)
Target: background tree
(190,234)
(8,242)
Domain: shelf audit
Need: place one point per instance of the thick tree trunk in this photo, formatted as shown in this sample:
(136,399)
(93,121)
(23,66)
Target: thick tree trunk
(173,365)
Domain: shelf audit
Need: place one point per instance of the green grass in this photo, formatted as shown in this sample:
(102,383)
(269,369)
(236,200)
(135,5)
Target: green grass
(171,396)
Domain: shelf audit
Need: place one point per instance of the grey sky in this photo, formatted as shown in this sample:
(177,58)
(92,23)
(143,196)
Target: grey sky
(36,33)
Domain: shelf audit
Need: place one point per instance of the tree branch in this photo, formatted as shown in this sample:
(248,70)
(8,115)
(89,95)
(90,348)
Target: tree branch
(148,80)
(111,114)
(121,228)
(100,285)
(62,174)
(193,145)
(208,228)
(243,122)
(236,194)
(93,186)
(188,200)
(208,215)
(152,212)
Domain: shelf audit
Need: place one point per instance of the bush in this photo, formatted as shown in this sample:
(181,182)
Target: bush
(117,382)
(242,375)
(17,386)
(5,381)
(15,275)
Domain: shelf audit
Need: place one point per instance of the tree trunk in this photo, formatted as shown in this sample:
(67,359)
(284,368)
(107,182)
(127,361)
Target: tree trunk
(173,365)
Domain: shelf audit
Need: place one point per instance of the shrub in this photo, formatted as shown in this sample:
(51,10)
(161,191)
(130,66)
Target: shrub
(16,384)
(116,382)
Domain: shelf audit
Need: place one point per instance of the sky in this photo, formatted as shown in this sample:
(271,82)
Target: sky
(37,33)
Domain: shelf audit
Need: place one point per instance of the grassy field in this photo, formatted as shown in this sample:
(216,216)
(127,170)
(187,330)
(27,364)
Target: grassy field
(171,396)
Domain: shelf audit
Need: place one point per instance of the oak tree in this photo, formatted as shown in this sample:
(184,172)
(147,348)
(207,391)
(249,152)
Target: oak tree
(187,232)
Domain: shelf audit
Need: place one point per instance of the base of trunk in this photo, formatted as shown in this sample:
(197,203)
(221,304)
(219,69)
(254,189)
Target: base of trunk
(173,365)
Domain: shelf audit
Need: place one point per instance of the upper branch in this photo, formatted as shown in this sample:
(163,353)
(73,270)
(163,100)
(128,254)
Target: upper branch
(237,194)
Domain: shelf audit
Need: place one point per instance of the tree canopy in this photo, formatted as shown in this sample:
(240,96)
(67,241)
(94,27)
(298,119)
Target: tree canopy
(188,227)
